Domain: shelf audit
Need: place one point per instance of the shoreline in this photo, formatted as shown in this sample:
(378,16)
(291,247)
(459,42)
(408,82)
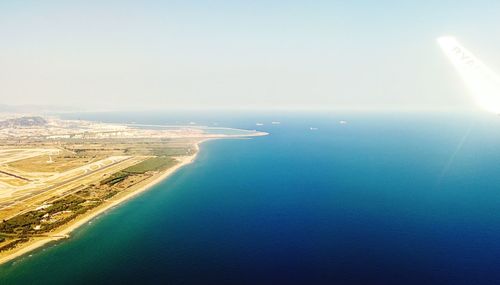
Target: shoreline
(64,232)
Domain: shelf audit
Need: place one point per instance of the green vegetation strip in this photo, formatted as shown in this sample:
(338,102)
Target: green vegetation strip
(23,225)
(150,164)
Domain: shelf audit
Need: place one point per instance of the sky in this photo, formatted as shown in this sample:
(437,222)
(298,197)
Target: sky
(141,55)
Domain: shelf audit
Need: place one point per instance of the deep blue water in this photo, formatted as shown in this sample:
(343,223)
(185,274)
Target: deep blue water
(385,199)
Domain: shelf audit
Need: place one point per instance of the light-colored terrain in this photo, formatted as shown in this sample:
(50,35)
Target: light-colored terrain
(56,175)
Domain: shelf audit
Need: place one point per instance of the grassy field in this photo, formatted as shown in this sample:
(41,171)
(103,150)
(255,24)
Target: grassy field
(150,164)
(172,151)
(59,163)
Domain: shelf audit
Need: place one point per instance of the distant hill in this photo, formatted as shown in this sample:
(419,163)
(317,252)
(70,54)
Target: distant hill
(23,122)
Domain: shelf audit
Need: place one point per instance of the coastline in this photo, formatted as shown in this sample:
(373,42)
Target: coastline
(65,230)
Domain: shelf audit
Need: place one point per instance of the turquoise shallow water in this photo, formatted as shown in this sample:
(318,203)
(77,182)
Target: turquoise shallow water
(384,199)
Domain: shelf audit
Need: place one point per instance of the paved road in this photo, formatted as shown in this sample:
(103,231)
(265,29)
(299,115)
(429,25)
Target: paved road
(13,175)
(42,191)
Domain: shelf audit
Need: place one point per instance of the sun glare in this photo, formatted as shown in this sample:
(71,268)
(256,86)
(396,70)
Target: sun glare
(482,82)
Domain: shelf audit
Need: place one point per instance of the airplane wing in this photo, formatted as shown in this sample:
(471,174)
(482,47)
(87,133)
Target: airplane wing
(481,81)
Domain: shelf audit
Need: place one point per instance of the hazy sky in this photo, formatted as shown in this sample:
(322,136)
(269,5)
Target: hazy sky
(245,54)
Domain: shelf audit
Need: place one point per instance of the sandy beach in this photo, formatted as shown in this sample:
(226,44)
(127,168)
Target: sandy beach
(65,230)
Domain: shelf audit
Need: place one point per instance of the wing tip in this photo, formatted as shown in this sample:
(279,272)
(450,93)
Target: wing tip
(446,40)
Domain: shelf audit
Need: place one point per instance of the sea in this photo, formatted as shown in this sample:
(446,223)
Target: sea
(326,198)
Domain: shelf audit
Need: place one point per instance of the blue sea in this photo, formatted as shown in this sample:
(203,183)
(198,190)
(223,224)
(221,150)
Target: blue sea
(388,198)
